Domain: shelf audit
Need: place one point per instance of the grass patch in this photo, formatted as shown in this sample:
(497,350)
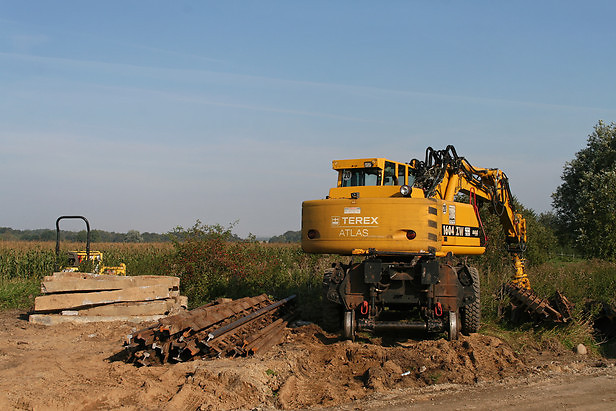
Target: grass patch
(582,282)
(18,293)
(531,336)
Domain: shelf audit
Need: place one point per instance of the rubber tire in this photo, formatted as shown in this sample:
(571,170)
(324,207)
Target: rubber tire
(470,315)
(331,313)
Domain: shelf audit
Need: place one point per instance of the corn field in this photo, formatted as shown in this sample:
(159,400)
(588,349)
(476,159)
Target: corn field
(33,260)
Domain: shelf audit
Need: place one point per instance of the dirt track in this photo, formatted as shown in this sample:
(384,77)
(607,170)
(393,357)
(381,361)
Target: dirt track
(579,387)
(69,367)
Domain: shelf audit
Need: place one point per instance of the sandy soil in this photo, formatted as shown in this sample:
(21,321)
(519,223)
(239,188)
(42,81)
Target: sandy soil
(73,367)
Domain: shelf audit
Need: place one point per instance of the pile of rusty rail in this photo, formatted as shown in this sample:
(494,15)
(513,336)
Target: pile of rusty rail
(223,328)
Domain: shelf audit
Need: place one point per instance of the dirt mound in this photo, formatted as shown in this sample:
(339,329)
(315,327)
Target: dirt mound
(320,369)
(68,366)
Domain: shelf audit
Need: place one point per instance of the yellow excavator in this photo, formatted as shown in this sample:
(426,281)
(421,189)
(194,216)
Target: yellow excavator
(410,226)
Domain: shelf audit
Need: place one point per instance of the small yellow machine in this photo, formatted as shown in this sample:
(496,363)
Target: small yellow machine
(77,258)
(407,222)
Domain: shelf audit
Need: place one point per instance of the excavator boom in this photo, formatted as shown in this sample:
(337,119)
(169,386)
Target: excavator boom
(444,174)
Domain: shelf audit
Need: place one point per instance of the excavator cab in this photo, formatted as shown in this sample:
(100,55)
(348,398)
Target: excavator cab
(372,172)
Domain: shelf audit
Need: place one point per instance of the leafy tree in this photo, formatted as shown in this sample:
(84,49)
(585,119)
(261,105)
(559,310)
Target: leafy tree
(541,239)
(288,237)
(586,200)
(133,236)
(48,235)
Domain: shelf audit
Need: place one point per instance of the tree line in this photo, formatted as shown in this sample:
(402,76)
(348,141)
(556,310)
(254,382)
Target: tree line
(98,236)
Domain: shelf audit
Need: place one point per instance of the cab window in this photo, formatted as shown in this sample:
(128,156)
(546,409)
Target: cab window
(401,173)
(361,177)
(390,177)
(411,179)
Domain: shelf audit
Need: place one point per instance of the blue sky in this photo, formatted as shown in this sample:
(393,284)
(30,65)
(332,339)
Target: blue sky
(148,115)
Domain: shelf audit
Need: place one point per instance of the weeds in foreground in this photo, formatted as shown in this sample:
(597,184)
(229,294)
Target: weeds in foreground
(18,293)
(211,264)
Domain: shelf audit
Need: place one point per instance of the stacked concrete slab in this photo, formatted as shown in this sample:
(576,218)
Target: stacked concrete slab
(84,297)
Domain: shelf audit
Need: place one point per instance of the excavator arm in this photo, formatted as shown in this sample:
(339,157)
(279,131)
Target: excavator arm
(444,174)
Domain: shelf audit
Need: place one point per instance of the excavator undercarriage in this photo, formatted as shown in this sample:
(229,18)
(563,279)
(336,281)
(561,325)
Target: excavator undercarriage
(414,292)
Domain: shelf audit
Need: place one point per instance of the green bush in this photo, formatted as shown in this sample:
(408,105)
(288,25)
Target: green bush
(211,263)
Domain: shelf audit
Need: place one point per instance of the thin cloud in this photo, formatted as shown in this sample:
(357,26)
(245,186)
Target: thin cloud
(175,53)
(185,98)
(26,42)
(200,75)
